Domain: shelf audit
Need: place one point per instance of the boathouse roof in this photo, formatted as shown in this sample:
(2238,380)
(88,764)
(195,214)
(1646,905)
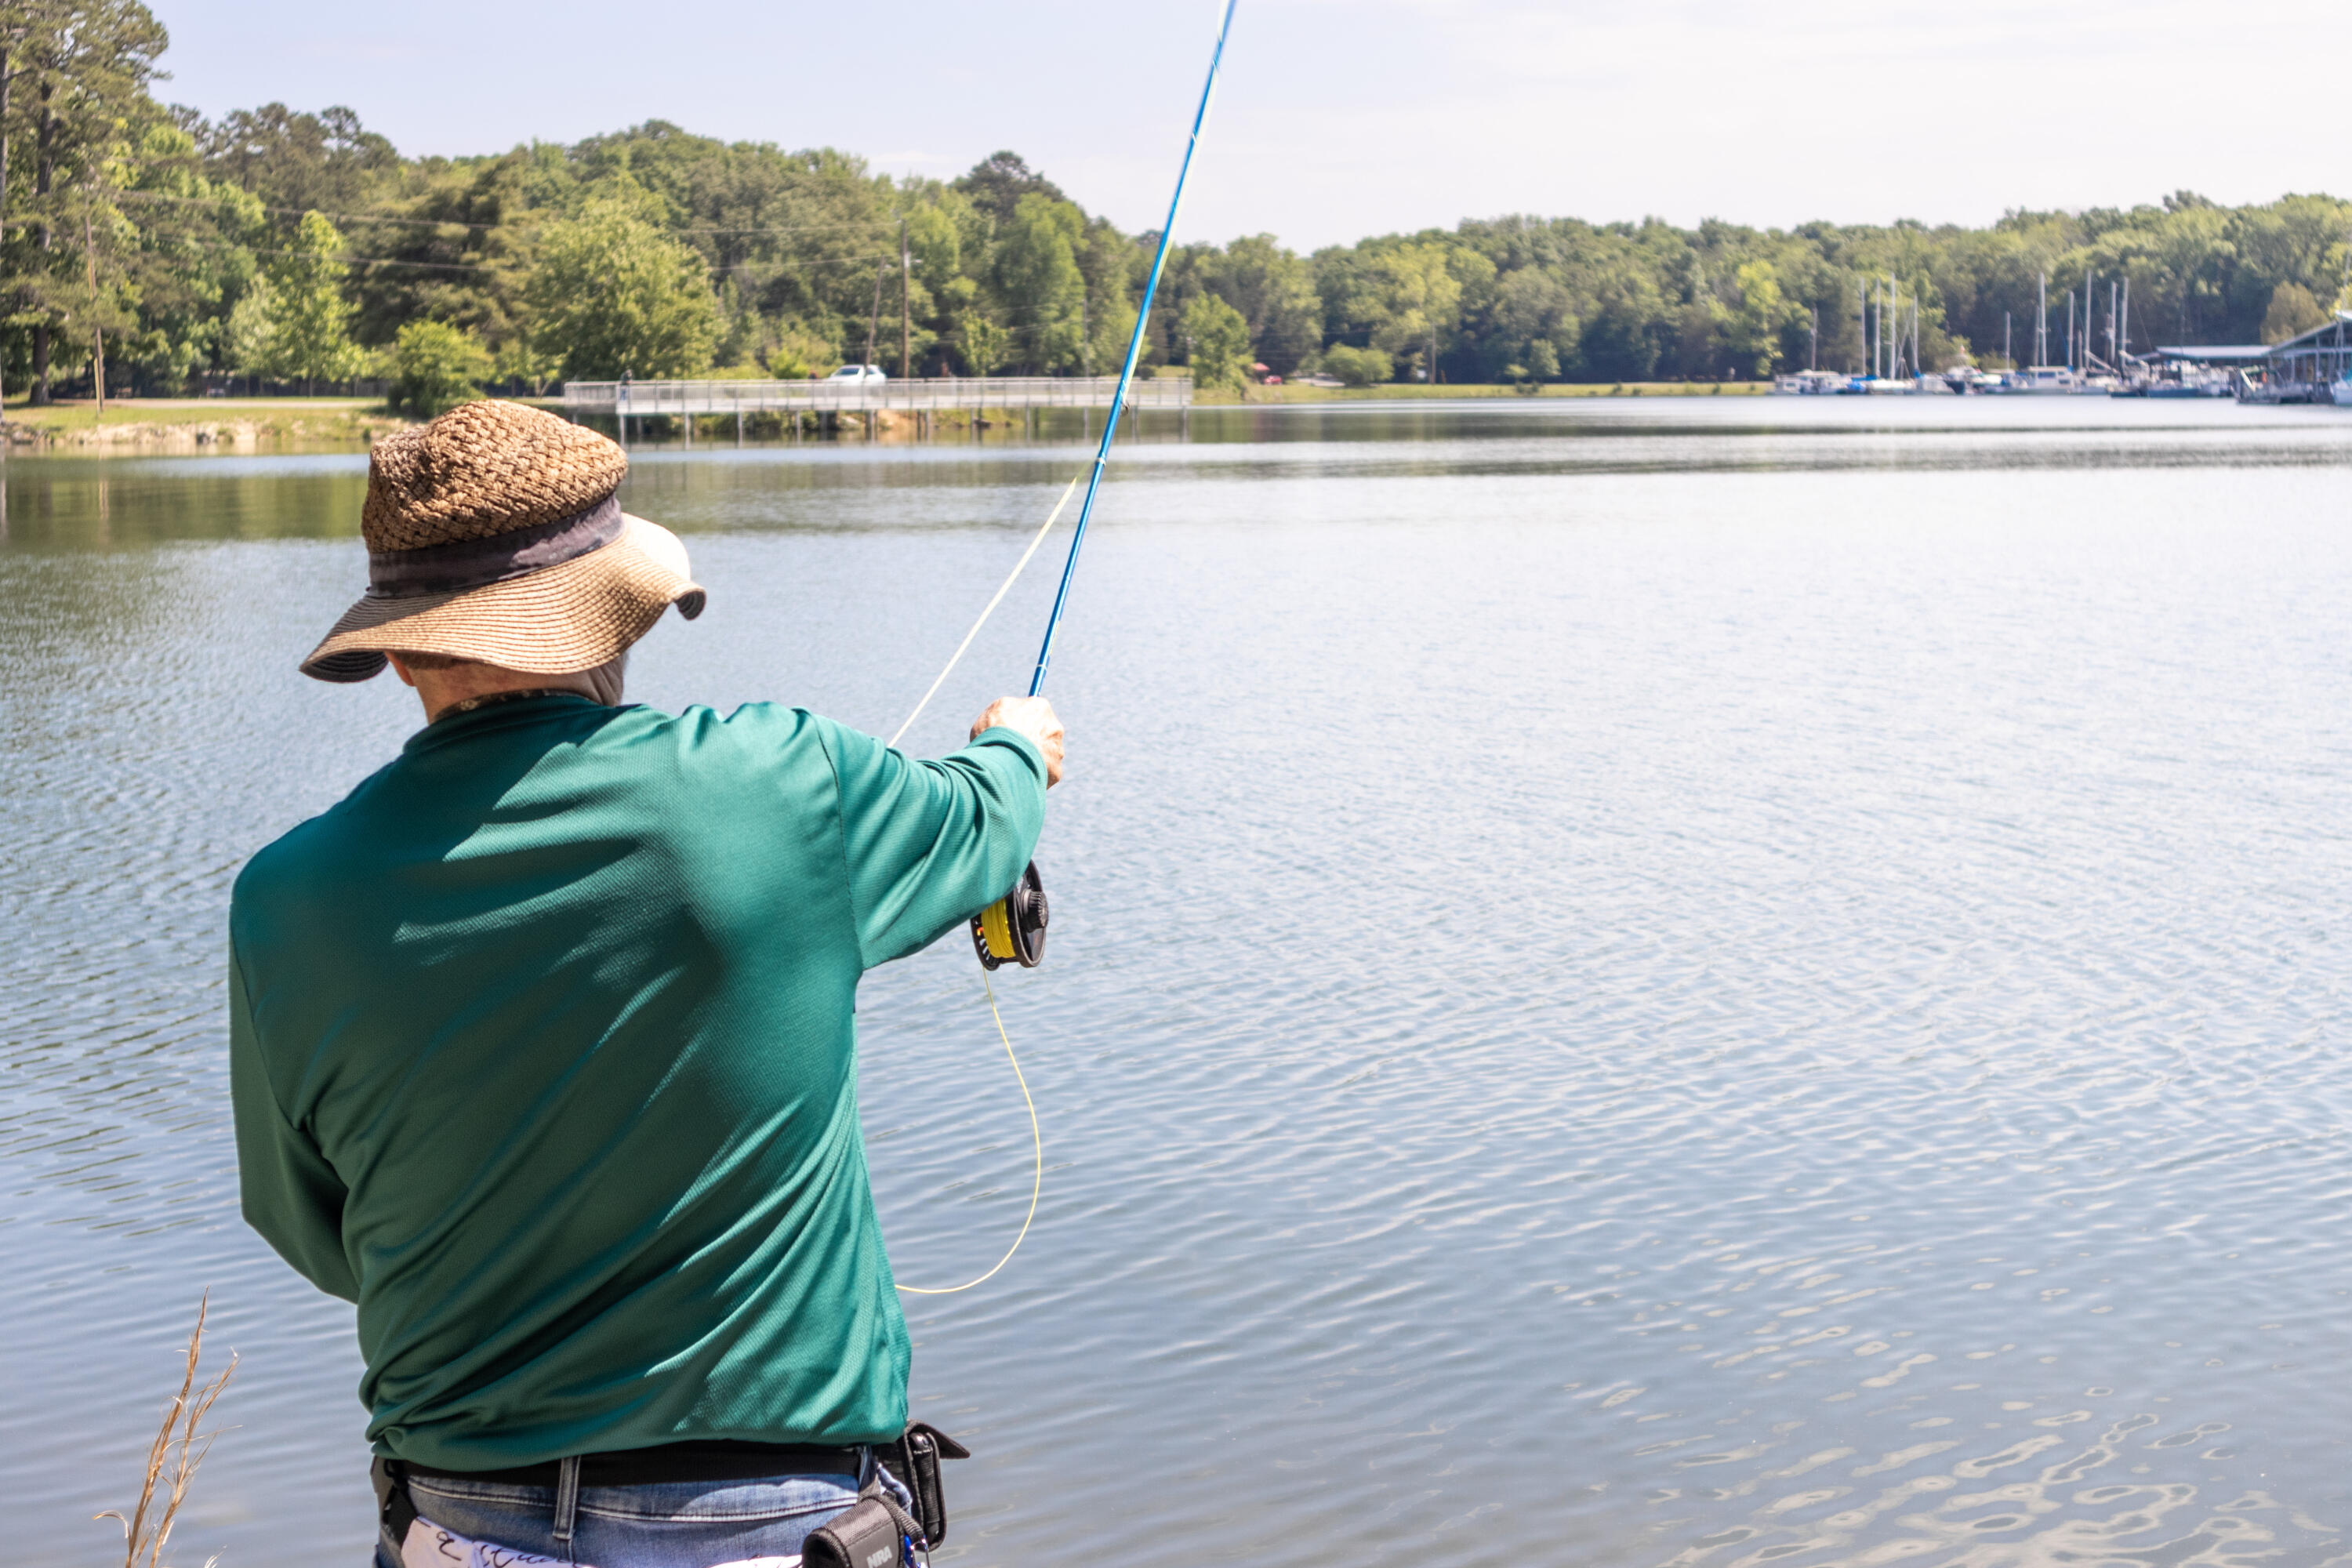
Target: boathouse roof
(2329,336)
(2215,353)
(2326,335)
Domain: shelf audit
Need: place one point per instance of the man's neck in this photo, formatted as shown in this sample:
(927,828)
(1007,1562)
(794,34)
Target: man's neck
(493,699)
(442,689)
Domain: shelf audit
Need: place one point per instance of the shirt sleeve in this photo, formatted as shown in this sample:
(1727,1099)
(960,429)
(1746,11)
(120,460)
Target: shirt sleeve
(930,844)
(291,1196)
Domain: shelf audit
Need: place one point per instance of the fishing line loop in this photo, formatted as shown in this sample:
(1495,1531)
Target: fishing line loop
(1037,1138)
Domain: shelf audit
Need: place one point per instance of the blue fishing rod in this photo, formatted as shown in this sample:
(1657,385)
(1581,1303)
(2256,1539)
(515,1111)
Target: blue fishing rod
(1013,929)
(1134,349)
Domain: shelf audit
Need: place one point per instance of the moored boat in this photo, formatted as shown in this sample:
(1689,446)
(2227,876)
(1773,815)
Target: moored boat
(2045,380)
(1810,382)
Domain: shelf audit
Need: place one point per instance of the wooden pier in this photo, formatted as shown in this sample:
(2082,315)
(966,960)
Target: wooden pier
(832,401)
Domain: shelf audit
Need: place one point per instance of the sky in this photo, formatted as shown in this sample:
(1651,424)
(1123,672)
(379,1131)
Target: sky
(1338,118)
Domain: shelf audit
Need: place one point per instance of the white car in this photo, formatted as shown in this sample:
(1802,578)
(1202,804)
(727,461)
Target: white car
(858,373)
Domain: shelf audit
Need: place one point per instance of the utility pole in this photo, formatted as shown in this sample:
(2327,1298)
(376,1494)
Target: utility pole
(906,316)
(874,323)
(97,332)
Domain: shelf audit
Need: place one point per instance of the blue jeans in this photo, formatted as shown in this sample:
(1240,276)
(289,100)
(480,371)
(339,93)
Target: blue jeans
(673,1525)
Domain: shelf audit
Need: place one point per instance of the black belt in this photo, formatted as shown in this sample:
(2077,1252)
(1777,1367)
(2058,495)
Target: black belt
(702,1461)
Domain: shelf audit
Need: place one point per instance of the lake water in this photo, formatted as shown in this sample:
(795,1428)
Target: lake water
(1664,983)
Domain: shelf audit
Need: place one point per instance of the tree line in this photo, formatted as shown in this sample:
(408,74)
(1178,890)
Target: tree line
(304,250)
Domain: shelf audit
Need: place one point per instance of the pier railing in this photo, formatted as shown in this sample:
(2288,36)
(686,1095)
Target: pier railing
(655,399)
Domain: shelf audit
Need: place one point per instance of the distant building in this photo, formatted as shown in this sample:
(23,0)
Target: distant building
(2304,369)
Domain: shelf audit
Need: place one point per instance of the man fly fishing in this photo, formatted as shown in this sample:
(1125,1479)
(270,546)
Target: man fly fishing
(543,1051)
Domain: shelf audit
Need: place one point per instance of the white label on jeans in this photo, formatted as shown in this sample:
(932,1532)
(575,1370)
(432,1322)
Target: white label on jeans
(428,1545)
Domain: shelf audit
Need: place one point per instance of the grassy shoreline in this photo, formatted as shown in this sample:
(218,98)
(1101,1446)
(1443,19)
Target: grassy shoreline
(249,424)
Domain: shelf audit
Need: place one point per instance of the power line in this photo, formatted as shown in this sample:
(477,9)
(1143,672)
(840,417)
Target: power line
(457,223)
(456,266)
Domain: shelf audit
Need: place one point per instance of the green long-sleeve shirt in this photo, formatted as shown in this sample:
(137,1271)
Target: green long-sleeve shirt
(543,1052)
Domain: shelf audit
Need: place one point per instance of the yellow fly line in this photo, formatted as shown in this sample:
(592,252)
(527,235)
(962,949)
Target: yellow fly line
(1051,517)
(1037,1140)
(994,925)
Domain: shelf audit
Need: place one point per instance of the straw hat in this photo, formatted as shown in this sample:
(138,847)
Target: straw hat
(496,533)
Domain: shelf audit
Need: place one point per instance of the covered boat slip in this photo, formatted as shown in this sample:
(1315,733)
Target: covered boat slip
(2314,361)
(2302,369)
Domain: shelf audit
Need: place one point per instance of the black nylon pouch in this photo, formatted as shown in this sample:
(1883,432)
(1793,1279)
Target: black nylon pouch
(915,1459)
(395,1510)
(864,1536)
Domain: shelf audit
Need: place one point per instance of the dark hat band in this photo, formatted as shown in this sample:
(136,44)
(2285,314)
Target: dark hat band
(478,563)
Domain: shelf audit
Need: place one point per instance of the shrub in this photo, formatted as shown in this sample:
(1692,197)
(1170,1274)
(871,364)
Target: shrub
(1358,367)
(435,367)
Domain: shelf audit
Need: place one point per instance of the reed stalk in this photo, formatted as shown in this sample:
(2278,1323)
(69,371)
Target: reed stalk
(172,1459)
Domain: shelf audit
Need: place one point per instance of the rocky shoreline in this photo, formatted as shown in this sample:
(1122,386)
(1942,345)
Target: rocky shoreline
(220,435)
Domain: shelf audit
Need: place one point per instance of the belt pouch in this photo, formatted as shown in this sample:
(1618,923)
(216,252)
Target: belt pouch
(395,1510)
(916,1457)
(865,1535)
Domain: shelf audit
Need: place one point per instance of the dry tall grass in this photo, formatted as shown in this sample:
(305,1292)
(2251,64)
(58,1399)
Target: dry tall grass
(179,1447)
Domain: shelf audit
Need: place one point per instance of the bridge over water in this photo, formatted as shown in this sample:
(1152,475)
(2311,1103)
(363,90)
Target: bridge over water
(968,395)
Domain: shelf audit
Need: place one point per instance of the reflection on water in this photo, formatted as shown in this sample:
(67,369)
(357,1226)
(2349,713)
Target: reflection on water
(1632,984)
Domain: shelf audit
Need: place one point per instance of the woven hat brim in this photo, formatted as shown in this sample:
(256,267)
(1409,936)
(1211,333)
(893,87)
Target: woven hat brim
(575,615)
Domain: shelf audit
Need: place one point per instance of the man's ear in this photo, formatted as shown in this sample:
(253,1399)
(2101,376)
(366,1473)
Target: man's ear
(399,670)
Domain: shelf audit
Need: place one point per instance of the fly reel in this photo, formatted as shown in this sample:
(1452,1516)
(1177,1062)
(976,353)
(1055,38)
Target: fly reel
(1013,929)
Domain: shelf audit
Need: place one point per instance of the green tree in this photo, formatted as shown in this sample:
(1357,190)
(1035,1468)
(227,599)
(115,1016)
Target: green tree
(326,161)
(2292,310)
(188,252)
(308,336)
(996,185)
(1530,321)
(1218,339)
(1036,280)
(520,360)
(984,344)
(245,335)
(796,351)
(1358,367)
(1753,332)
(1113,266)
(435,367)
(87,65)
(1416,299)
(1274,290)
(612,293)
